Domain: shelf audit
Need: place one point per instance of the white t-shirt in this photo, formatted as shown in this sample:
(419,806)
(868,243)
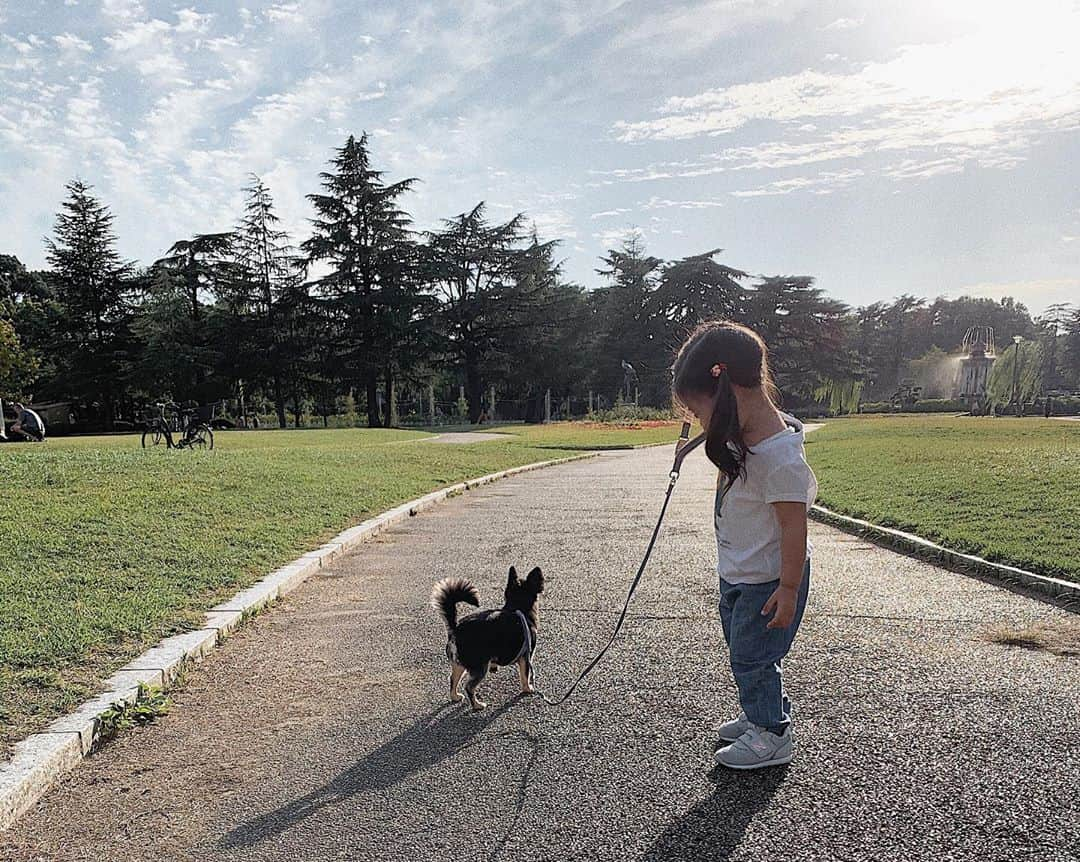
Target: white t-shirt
(747,529)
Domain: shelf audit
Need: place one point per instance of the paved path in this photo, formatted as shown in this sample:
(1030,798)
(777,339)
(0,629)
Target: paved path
(322,731)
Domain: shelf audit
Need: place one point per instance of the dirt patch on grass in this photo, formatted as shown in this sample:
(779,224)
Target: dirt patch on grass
(1059,638)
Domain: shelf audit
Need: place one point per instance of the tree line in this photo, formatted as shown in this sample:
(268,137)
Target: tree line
(366,310)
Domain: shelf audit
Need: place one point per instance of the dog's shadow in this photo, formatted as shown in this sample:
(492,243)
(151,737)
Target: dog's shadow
(713,829)
(431,739)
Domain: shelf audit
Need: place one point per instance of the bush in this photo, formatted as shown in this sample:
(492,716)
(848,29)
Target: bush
(629,413)
(939,405)
(925,405)
(1066,405)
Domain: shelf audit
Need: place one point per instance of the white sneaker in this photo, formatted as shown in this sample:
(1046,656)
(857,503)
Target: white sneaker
(757,748)
(732,730)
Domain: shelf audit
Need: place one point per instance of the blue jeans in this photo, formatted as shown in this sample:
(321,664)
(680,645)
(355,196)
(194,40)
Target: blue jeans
(757,652)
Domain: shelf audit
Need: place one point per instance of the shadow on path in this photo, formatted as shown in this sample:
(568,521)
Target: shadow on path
(713,829)
(431,739)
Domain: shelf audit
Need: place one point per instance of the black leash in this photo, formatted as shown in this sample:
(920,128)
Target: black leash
(683,447)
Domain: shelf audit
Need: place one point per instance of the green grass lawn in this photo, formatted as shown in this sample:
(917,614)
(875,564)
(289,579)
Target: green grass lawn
(108,547)
(1005,489)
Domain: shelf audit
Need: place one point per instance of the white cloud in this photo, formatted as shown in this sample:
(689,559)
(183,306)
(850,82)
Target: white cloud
(68,43)
(1036,294)
(986,96)
(824,183)
(285,13)
(553,224)
(844,24)
(694,26)
(123,10)
(615,237)
(153,46)
(191,21)
(654,203)
(19,46)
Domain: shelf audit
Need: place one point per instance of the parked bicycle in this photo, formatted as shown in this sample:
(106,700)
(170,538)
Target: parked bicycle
(193,432)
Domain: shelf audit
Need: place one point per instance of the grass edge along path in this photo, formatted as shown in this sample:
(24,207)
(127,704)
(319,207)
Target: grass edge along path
(1003,489)
(111,548)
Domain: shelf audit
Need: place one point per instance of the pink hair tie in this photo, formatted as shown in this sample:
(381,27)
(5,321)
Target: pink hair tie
(718,369)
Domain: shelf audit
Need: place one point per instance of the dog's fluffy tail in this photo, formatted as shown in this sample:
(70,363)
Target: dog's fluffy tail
(447,593)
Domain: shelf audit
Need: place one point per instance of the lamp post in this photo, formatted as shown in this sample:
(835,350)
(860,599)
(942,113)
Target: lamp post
(1016,370)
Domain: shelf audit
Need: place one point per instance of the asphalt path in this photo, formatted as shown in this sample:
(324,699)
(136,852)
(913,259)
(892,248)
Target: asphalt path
(323,731)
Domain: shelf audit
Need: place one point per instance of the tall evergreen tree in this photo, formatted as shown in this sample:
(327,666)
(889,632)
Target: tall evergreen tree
(480,272)
(174,318)
(805,330)
(362,235)
(92,285)
(544,345)
(264,292)
(621,315)
(689,291)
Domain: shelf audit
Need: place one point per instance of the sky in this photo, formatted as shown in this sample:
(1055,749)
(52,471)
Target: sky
(882,147)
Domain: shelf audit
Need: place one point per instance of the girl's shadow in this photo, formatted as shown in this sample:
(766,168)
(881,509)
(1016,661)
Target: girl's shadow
(438,735)
(714,828)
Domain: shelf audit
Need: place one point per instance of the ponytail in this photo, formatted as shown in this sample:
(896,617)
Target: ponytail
(723,429)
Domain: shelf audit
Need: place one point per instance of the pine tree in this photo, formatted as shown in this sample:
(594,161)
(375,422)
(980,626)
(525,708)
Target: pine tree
(91,284)
(544,349)
(264,293)
(480,272)
(174,317)
(621,318)
(806,332)
(362,235)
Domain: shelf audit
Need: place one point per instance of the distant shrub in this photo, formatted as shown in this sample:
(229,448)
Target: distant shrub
(939,405)
(622,413)
(1066,405)
(925,405)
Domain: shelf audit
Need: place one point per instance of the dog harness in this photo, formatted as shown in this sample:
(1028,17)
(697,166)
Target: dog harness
(526,646)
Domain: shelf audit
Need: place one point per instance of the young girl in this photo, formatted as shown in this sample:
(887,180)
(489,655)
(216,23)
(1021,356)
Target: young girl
(764,489)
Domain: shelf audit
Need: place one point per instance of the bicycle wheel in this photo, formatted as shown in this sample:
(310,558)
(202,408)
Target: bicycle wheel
(152,436)
(202,437)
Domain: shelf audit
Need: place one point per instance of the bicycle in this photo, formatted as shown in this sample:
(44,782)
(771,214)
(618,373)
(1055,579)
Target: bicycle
(196,433)
(157,429)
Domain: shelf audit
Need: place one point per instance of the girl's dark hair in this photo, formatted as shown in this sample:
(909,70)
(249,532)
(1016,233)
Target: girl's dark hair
(743,360)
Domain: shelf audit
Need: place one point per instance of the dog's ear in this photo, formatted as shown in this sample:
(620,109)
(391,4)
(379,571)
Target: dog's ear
(512,578)
(535,580)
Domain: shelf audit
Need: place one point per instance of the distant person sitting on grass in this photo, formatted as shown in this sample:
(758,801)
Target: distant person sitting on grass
(28,424)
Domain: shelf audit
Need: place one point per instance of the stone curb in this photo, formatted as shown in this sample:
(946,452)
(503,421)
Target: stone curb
(41,759)
(917,546)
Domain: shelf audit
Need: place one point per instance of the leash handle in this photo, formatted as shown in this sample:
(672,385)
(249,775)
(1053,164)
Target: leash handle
(683,447)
